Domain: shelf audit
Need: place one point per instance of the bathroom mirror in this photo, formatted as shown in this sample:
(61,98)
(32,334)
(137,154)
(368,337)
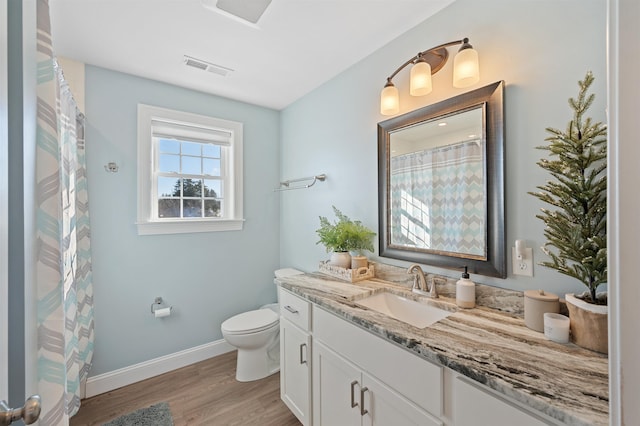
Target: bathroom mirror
(441,184)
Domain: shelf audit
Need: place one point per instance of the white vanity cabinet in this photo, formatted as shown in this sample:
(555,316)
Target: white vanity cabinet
(334,373)
(359,379)
(295,355)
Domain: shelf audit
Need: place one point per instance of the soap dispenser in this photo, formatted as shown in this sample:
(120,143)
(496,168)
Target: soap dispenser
(465,291)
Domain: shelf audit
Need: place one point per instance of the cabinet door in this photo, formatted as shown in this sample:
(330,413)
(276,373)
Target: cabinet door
(418,380)
(336,389)
(473,406)
(385,407)
(295,370)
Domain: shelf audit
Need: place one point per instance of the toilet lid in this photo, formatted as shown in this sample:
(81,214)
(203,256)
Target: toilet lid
(250,322)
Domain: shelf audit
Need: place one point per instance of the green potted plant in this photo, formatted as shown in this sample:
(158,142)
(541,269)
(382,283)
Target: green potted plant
(576,228)
(343,236)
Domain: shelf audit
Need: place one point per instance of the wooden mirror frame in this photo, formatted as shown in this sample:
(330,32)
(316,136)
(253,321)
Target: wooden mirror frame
(492,99)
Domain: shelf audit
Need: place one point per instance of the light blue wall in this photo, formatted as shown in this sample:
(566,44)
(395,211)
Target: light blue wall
(539,48)
(207,277)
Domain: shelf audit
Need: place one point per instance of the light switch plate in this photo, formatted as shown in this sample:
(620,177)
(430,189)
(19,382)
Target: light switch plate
(523,266)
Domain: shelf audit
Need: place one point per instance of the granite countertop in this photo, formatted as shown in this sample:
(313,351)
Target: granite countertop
(494,348)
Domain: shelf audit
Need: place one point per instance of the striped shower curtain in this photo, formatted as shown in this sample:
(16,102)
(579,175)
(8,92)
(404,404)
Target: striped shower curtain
(63,270)
(437,199)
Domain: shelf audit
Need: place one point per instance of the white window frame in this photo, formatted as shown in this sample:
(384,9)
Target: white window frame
(147,223)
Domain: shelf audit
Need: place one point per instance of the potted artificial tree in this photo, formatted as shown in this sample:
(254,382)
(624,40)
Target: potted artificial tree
(576,229)
(344,236)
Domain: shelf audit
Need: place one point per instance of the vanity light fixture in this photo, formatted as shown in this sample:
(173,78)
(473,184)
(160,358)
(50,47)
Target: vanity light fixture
(466,72)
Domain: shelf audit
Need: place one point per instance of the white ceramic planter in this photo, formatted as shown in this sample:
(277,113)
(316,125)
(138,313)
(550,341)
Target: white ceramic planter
(341,259)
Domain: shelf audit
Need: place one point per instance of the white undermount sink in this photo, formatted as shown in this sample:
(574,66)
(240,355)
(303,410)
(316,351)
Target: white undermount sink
(406,310)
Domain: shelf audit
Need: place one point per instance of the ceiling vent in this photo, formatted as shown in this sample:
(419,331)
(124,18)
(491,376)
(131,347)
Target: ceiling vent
(246,11)
(206,66)
(249,10)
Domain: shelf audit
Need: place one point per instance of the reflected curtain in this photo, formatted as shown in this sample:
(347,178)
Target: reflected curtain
(63,274)
(437,199)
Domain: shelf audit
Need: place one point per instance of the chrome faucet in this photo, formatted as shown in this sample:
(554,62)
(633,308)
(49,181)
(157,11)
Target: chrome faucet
(420,285)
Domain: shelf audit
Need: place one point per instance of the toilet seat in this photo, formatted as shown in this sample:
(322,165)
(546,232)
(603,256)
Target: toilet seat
(250,322)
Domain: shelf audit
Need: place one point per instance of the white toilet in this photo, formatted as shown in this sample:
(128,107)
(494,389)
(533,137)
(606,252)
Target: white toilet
(256,334)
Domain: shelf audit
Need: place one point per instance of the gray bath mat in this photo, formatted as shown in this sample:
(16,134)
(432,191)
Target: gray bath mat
(156,415)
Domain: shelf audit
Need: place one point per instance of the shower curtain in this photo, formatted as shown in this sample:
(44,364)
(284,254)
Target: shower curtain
(437,198)
(63,269)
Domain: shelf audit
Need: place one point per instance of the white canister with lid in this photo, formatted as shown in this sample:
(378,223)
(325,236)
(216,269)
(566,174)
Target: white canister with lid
(536,304)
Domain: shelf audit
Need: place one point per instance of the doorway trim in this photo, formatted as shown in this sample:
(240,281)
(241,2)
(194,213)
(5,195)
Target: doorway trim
(4,206)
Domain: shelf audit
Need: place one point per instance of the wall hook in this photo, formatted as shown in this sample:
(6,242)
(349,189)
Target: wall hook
(111,167)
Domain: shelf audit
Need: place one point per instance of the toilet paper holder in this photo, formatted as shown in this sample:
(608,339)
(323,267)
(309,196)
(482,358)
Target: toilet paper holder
(158,303)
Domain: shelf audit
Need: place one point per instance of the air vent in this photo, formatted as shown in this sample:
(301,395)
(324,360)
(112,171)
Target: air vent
(245,11)
(249,10)
(206,66)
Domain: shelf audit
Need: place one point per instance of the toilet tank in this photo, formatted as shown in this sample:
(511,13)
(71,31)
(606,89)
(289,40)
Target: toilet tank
(285,272)
(275,307)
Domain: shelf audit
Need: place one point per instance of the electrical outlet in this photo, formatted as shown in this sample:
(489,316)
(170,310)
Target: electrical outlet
(523,266)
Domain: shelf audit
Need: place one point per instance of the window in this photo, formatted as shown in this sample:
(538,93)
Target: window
(189,172)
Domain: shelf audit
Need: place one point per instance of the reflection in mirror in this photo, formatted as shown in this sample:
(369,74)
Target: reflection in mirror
(441,183)
(437,191)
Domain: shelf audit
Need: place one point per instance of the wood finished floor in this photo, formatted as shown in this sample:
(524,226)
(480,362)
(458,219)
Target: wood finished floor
(205,393)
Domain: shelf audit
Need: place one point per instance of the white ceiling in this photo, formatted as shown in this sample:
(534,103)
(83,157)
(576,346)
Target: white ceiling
(295,47)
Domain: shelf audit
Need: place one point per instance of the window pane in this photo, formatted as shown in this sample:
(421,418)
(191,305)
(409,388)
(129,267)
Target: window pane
(191,148)
(169,163)
(211,167)
(191,208)
(169,146)
(192,165)
(209,150)
(212,208)
(192,188)
(212,188)
(168,208)
(168,187)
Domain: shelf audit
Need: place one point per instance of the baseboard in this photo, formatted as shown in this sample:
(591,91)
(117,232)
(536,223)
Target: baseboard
(134,373)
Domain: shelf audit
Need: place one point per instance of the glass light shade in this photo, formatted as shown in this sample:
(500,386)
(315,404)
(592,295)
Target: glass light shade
(466,70)
(389,100)
(420,84)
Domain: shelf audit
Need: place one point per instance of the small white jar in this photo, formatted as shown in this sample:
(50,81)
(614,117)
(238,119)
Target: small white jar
(556,327)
